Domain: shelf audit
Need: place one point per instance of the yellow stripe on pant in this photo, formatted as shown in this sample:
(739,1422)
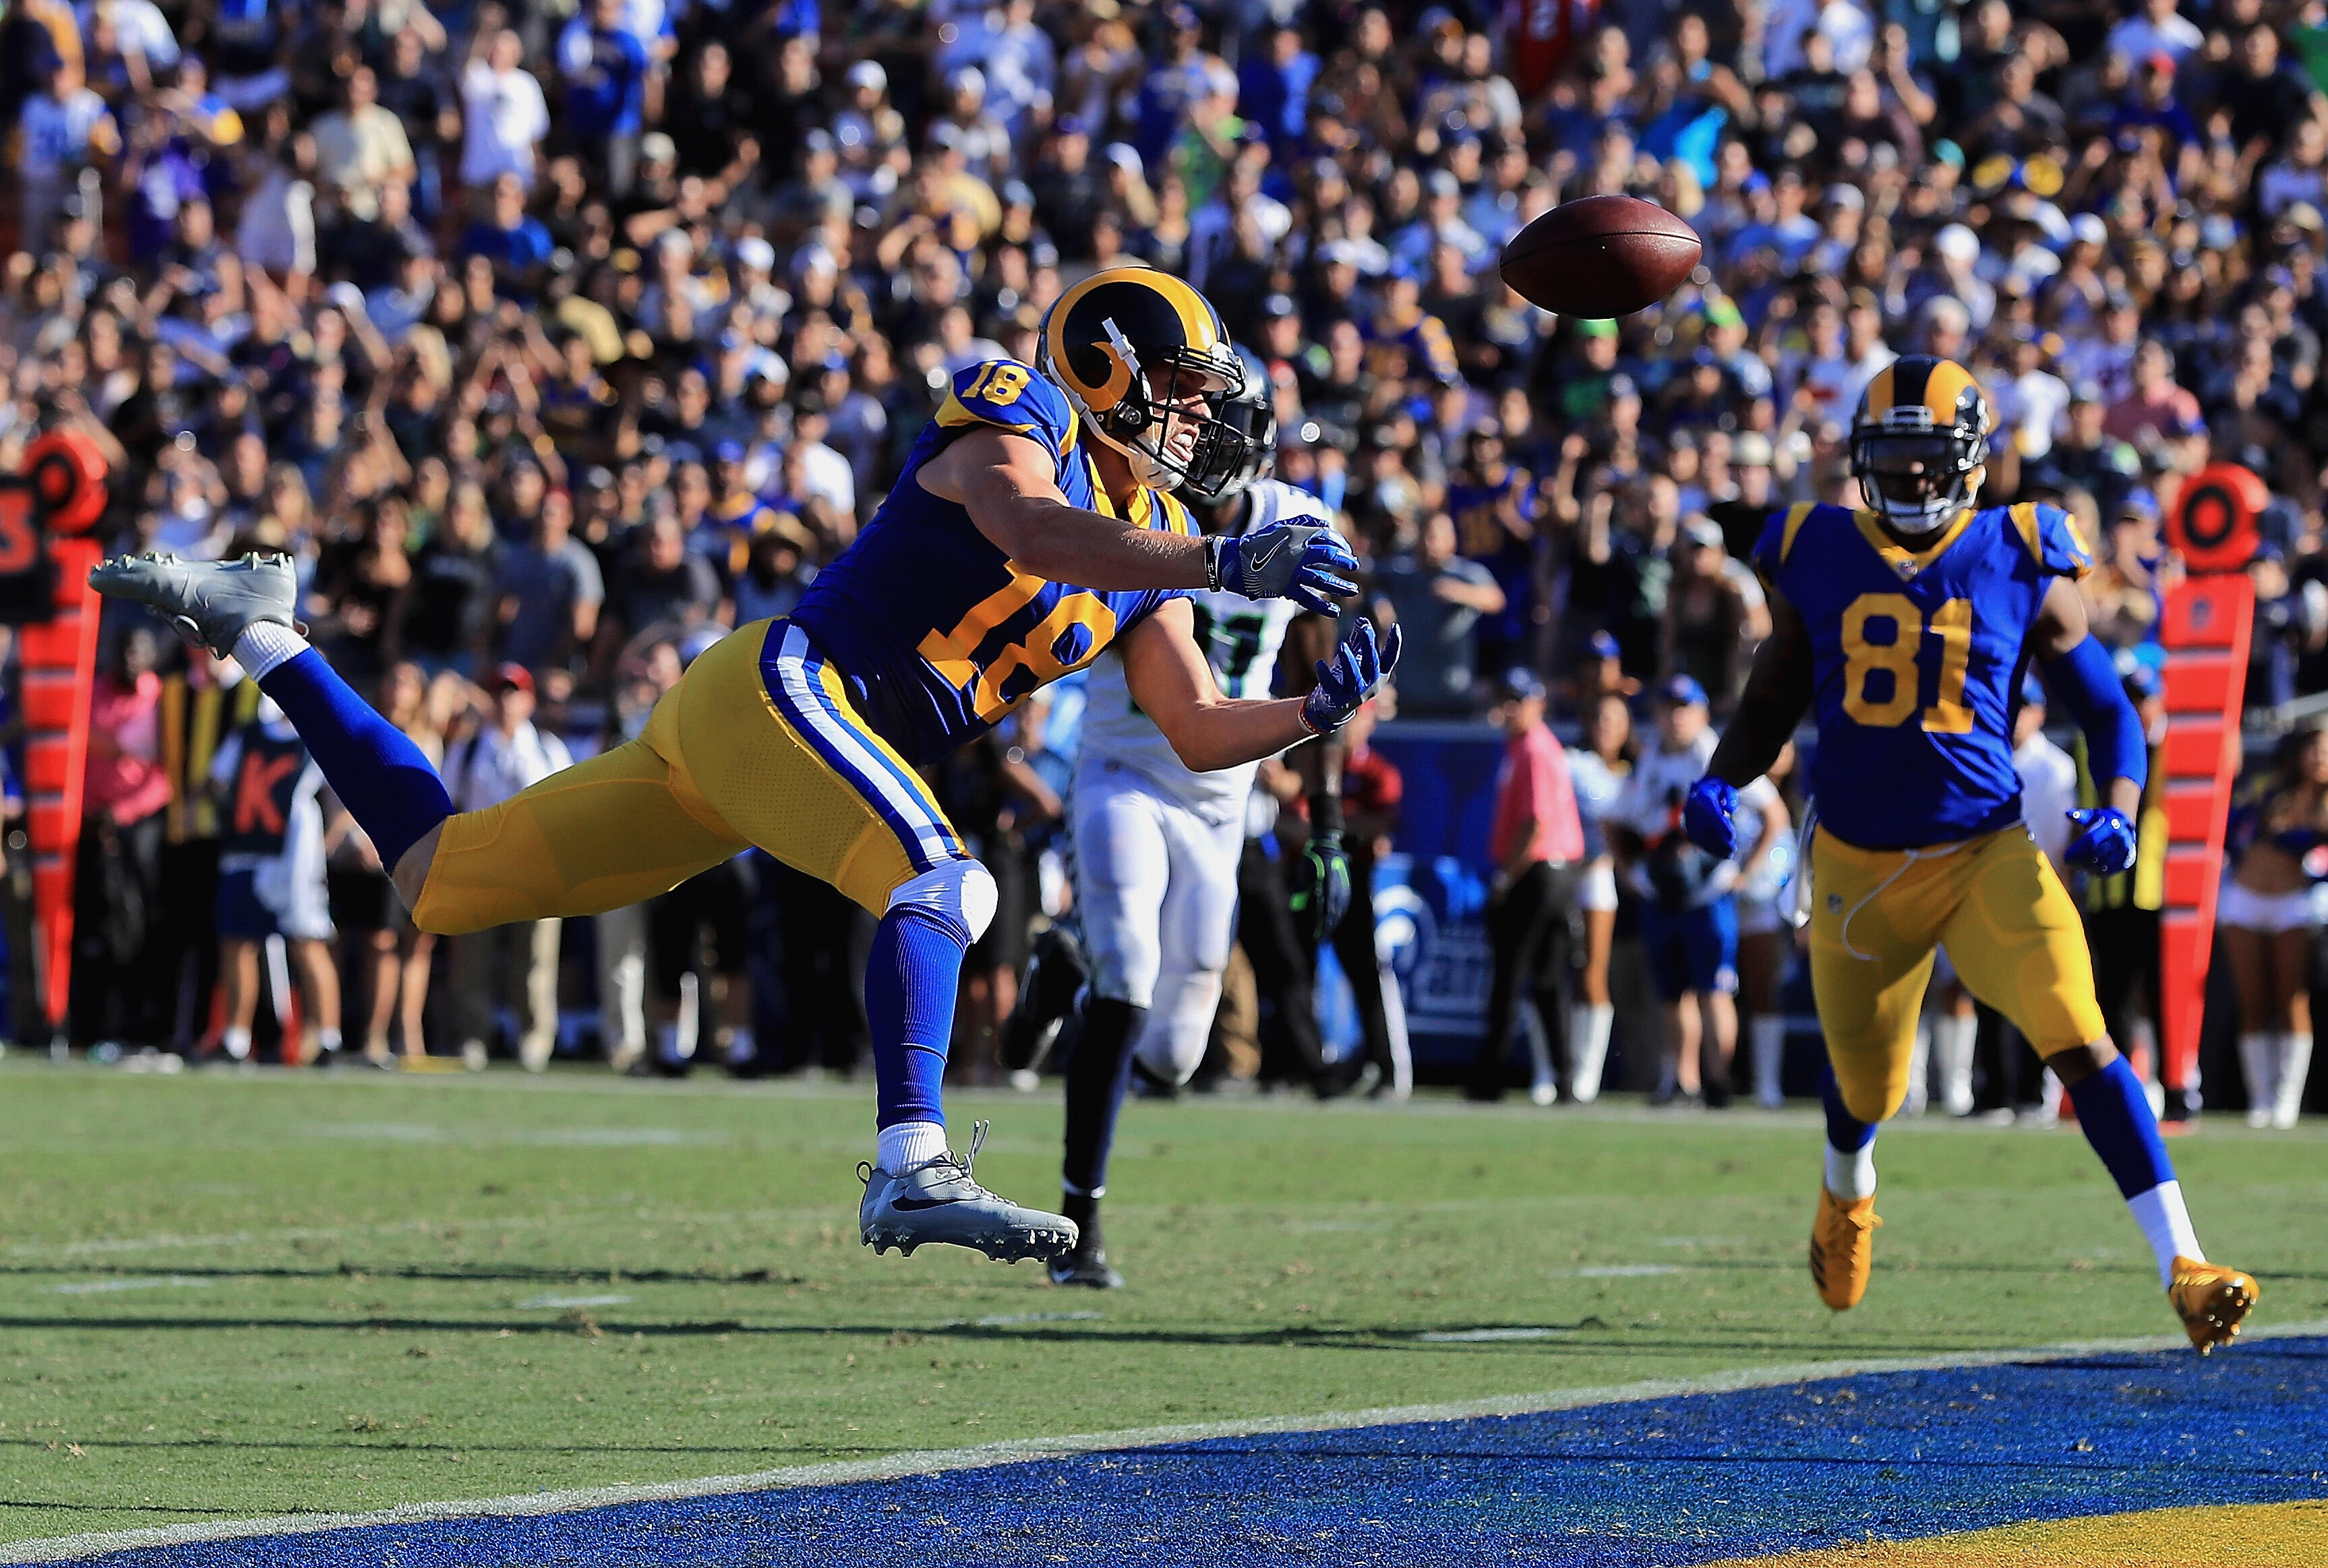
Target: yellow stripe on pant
(720,769)
(1876,917)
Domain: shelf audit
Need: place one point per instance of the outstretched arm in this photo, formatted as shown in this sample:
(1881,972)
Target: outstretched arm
(2081,675)
(1009,484)
(1169,678)
(1777,694)
(1174,686)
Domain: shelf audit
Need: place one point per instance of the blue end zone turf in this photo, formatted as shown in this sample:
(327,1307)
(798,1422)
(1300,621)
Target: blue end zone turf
(1687,1479)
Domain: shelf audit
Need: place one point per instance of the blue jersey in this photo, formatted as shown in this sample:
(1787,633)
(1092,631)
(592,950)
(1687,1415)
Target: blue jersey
(1916,658)
(937,631)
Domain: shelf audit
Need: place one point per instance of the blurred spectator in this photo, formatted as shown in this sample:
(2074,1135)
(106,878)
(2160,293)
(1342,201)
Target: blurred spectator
(1536,846)
(117,883)
(1438,596)
(272,883)
(503,755)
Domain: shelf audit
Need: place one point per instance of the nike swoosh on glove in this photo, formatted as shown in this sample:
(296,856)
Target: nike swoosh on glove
(2105,840)
(1709,816)
(1354,673)
(1287,560)
(1320,891)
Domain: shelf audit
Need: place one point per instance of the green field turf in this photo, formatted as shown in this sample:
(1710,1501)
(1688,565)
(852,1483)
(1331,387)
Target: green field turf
(236,1294)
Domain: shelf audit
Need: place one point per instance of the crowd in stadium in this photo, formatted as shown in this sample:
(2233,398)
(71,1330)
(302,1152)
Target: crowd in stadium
(554,342)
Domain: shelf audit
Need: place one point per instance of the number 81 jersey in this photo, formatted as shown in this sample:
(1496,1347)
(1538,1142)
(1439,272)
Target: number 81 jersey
(1916,658)
(1240,637)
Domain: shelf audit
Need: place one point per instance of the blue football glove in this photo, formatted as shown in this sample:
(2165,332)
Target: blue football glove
(1354,673)
(1709,816)
(2105,840)
(1320,887)
(1286,560)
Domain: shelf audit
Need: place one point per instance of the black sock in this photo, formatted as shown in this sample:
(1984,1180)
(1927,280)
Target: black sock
(1098,1075)
(1083,1210)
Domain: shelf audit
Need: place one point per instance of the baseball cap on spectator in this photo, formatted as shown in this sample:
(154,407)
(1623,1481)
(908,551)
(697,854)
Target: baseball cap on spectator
(1681,692)
(657,148)
(1278,306)
(1442,184)
(1703,533)
(2160,62)
(968,78)
(868,73)
(1750,449)
(1597,329)
(755,253)
(1124,156)
(1519,685)
(1842,195)
(2138,505)
(1720,310)
(1014,193)
(727,452)
(1181,19)
(1070,126)
(510,678)
(1604,647)
(2088,229)
(947,135)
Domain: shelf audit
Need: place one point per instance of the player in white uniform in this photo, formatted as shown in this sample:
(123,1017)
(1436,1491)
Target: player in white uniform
(1156,849)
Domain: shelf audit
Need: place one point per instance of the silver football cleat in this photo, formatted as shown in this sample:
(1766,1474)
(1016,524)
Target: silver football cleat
(941,1202)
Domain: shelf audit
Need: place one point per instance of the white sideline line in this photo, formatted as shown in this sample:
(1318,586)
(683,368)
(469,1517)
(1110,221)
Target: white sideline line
(1024,1450)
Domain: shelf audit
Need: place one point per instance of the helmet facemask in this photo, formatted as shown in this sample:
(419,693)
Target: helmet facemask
(1918,479)
(1237,447)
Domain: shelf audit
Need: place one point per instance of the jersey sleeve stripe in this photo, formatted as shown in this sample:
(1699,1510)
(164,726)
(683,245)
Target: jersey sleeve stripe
(2026,522)
(1797,515)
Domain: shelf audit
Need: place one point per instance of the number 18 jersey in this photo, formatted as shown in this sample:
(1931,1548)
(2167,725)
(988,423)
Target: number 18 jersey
(1240,638)
(1916,658)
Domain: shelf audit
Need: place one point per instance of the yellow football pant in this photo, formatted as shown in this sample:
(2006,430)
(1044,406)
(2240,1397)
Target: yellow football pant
(1876,917)
(729,759)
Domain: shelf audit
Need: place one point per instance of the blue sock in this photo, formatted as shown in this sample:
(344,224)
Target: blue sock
(384,780)
(1845,1131)
(2115,1116)
(909,987)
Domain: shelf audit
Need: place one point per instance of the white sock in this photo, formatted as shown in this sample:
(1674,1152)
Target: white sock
(1851,1176)
(906,1145)
(263,645)
(1919,1065)
(237,1042)
(1588,1040)
(1768,1033)
(1952,1043)
(327,1039)
(2260,1063)
(2166,1227)
(741,1047)
(2294,1065)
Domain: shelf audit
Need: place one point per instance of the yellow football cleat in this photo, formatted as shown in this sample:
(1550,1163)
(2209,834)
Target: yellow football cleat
(2212,1300)
(1843,1249)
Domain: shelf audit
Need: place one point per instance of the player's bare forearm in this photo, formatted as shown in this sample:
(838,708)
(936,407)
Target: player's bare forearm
(1777,694)
(1169,678)
(1009,485)
(1233,731)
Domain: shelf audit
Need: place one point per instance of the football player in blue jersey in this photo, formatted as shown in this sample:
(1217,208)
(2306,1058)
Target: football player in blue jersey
(1908,626)
(1029,529)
